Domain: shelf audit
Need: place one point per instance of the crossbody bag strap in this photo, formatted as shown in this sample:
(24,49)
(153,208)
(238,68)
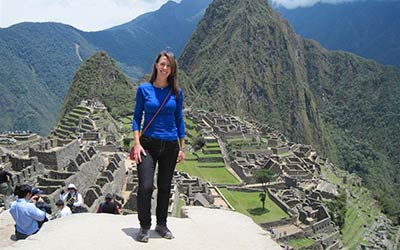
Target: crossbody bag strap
(158,111)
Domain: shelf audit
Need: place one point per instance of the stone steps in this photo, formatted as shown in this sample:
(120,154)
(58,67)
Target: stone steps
(80,111)
(67,128)
(50,182)
(63,132)
(74,115)
(47,190)
(86,127)
(59,175)
(212,151)
(72,119)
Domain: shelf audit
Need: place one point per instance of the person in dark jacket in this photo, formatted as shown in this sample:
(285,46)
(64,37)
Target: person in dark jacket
(5,179)
(108,206)
(41,204)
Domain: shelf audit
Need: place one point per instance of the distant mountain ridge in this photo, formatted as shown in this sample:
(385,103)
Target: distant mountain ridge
(367,28)
(137,42)
(36,66)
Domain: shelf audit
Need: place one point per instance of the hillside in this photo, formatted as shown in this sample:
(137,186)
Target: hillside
(38,60)
(245,60)
(100,79)
(366,28)
(37,64)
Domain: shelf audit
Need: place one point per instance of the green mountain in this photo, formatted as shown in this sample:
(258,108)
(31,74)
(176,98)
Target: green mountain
(100,79)
(37,63)
(245,60)
(38,60)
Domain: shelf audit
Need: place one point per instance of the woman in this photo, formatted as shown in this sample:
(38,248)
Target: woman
(161,143)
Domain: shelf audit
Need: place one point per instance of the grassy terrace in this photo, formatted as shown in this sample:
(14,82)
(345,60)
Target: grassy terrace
(212,145)
(126,120)
(360,214)
(202,155)
(189,123)
(361,211)
(190,131)
(214,174)
(299,243)
(248,203)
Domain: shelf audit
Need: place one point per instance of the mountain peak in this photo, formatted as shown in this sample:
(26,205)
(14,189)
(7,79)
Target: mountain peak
(251,63)
(99,78)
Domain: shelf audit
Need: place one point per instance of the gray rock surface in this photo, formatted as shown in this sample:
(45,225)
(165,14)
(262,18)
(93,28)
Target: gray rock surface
(203,229)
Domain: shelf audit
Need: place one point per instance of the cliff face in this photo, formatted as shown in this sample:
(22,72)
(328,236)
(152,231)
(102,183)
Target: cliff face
(245,60)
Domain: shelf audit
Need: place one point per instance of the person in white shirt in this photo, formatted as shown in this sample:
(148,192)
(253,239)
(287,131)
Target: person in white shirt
(73,199)
(64,210)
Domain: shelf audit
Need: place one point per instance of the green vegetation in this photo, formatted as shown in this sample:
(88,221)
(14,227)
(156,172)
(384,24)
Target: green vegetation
(361,212)
(181,203)
(98,78)
(248,203)
(299,243)
(216,175)
(263,176)
(338,208)
(37,65)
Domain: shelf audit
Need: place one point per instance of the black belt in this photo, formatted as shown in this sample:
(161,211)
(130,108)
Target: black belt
(154,140)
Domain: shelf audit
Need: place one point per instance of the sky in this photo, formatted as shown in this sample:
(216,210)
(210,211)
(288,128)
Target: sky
(292,4)
(94,15)
(86,15)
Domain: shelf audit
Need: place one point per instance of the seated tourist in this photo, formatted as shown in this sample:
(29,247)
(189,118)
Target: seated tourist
(5,186)
(24,212)
(63,210)
(108,206)
(73,199)
(41,204)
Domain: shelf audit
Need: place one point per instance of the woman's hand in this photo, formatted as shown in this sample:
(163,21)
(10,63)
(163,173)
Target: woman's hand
(138,151)
(181,156)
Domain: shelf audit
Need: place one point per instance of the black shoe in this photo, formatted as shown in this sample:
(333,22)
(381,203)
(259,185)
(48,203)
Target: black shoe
(143,235)
(164,232)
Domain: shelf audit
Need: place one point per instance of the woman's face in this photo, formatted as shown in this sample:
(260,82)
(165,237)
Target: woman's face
(163,67)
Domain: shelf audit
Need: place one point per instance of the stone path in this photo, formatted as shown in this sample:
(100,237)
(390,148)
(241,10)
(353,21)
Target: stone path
(203,229)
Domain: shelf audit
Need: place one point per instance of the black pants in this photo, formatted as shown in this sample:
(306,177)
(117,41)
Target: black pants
(165,154)
(21,236)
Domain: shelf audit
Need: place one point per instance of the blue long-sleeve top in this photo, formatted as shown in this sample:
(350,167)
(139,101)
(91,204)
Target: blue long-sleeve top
(26,215)
(168,124)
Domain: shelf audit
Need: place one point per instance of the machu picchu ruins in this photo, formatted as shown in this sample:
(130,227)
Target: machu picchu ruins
(87,149)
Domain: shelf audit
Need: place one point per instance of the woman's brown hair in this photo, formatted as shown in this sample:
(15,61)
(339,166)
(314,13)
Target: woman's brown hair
(173,77)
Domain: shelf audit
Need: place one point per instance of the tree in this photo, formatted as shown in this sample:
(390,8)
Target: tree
(263,176)
(337,209)
(199,143)
(262,199)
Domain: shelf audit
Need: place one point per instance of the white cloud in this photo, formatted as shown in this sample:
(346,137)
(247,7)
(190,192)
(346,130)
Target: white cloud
(292,4)
(87,15)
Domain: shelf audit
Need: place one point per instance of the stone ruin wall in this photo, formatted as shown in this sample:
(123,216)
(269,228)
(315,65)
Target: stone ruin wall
(53,155)
(95,177)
